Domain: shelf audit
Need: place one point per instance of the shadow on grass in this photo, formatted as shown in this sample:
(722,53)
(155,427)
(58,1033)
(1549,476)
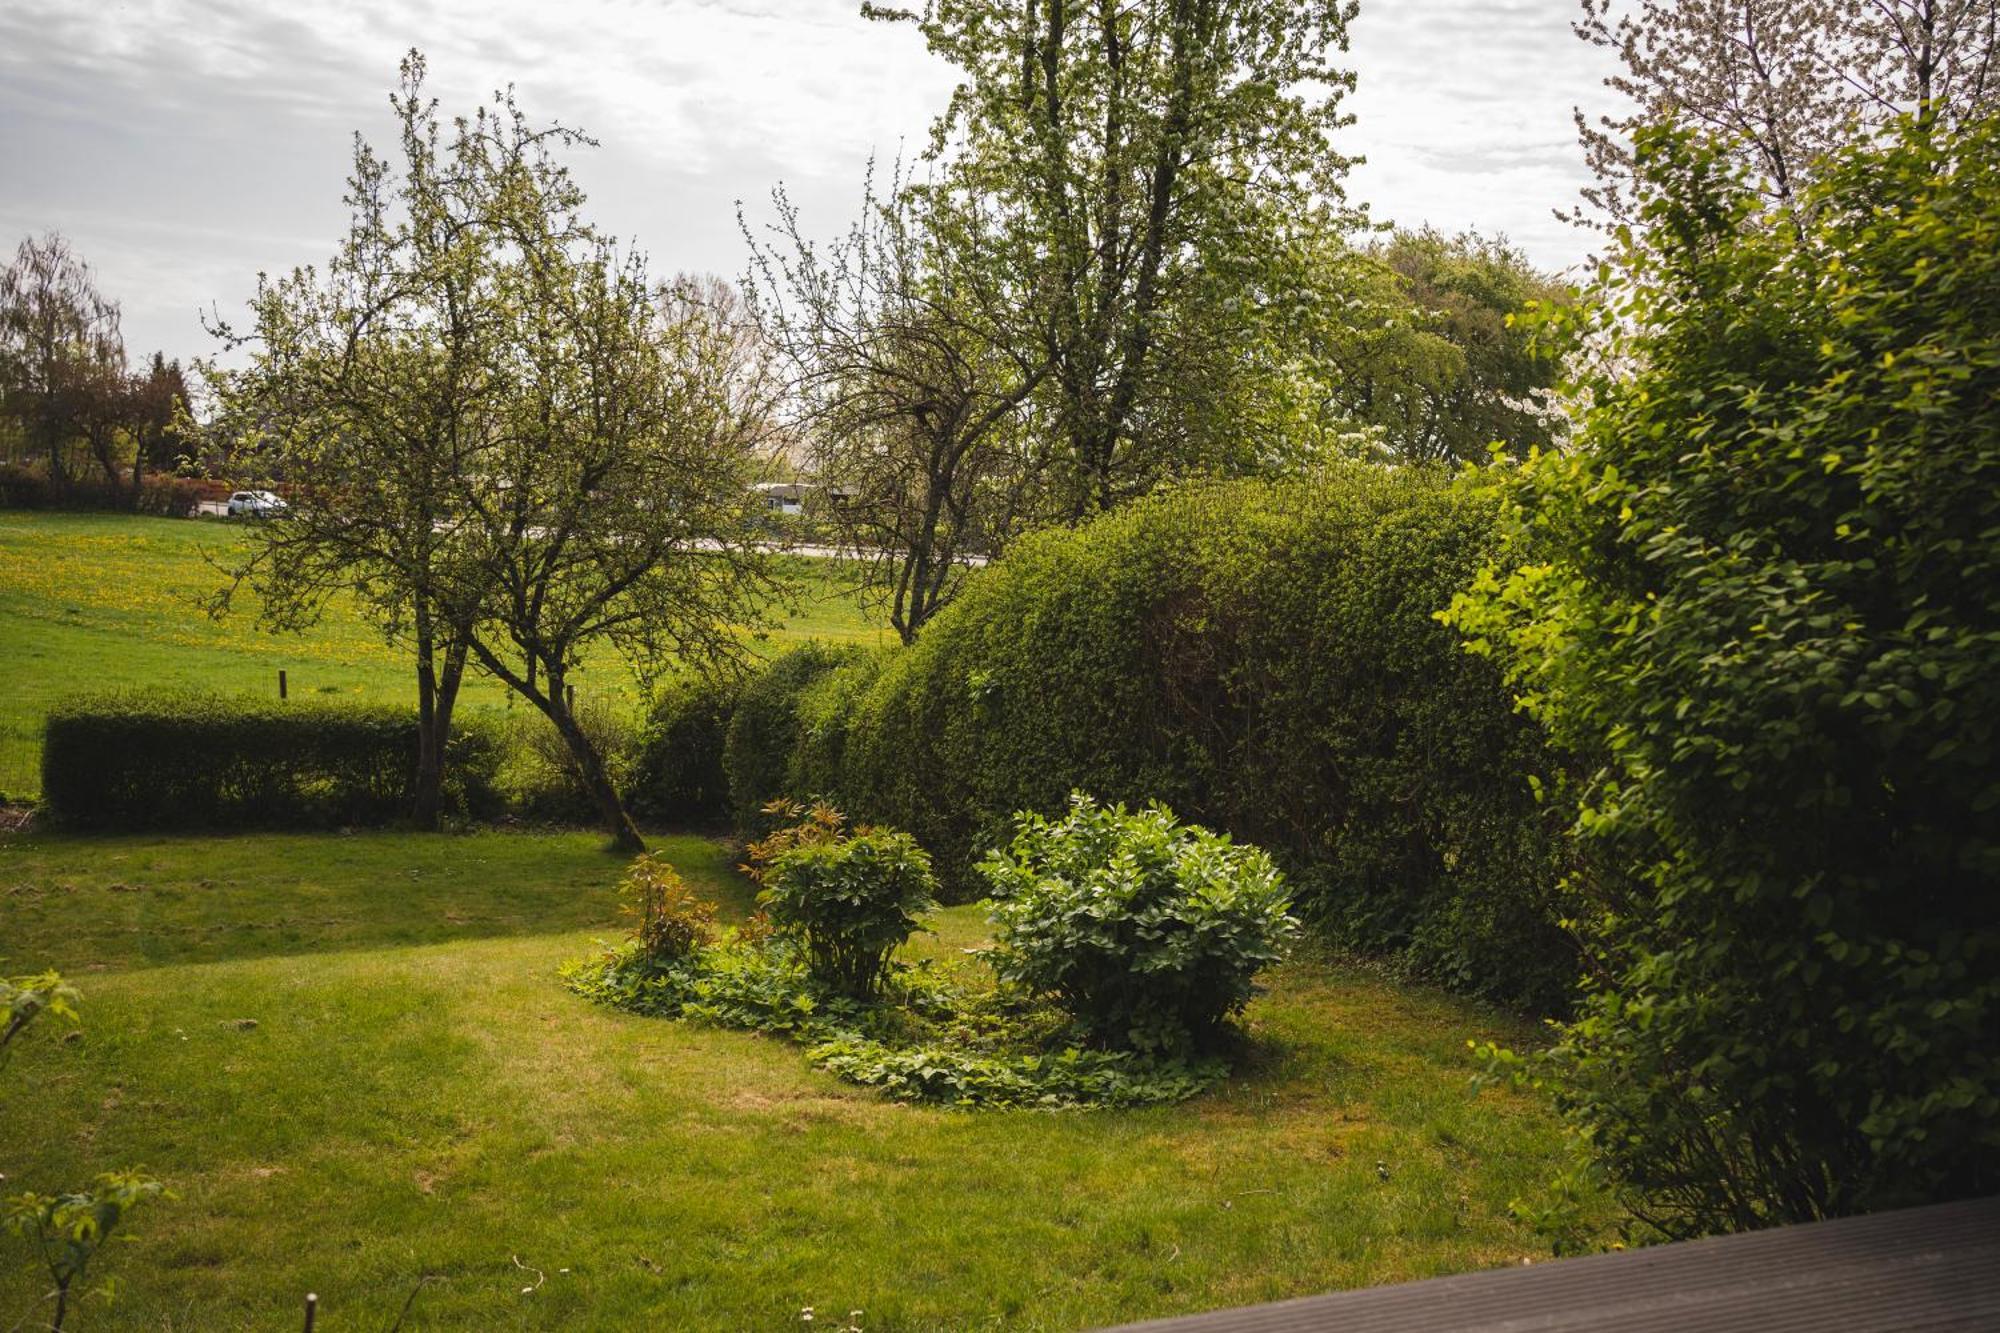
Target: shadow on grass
(83,903)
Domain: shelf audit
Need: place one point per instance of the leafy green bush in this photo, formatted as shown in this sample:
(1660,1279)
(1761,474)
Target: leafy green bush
(67,1230)
(850,903)
(1146,931)
(1764,591)
(764,730)
(203,761)
(670,921)
(539,779)
(1265,659)
(677,775)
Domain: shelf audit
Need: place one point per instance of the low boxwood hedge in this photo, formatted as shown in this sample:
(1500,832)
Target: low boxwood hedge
(142,761)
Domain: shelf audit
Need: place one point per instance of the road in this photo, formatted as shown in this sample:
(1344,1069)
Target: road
(811,551)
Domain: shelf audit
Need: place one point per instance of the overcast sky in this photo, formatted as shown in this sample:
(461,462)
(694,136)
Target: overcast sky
(183,145)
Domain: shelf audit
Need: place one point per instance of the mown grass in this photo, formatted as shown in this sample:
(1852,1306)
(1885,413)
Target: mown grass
(93,601)
(419,1101)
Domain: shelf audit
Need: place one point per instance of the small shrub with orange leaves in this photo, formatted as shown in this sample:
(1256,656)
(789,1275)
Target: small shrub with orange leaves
(799,825)
(671,922)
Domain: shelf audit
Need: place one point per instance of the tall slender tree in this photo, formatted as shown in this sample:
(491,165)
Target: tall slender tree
(1138,171)
(909,374)
(502,438)
(370,382)
(61,353)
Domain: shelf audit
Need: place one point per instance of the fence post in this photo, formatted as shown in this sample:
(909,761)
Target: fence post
(281,682)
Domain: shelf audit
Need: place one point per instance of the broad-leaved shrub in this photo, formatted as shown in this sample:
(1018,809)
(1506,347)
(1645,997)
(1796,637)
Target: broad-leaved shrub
(850,902)
(1149,932)
(670,921)
(1762,593)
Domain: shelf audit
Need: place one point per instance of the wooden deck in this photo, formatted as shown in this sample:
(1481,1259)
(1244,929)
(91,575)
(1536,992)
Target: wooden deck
(1920,1269)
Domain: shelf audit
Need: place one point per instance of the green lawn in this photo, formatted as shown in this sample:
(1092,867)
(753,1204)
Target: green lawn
(98,600)
(420,1099)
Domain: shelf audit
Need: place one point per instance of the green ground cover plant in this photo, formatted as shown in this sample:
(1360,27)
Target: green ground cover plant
(112,602)
(1124,942)
(358,1078)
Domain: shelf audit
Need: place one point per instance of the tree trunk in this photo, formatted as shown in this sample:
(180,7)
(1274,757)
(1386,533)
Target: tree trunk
(437,693)
(590,768)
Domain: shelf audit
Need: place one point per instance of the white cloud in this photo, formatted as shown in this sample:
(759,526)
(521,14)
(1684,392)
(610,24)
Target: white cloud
(185,144)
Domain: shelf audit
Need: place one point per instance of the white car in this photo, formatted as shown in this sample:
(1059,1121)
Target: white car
(255,504)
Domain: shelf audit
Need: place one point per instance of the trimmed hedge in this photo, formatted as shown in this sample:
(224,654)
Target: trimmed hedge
(1264,658)
(678,776)
(206,761)
(160,494)
(760,753)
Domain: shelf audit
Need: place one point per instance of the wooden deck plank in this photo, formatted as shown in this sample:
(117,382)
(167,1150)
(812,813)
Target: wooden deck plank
(1934,1268)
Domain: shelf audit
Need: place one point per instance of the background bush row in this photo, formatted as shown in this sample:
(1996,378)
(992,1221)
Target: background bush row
(1264,658)
(163,496)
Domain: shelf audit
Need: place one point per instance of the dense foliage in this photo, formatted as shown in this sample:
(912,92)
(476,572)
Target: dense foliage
(205,761)
(1147,932)
(850,902)
(677,776)
(764,730)
(1442,371)
(1263,658)
(818,970)
(1765,591)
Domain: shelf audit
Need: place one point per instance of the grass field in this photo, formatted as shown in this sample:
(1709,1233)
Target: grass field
(110,601)
(419,1101)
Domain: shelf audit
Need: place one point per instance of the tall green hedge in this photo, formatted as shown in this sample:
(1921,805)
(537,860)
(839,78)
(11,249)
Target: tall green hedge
(760,753)
(678,775)
(1264,658)
(205,761)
